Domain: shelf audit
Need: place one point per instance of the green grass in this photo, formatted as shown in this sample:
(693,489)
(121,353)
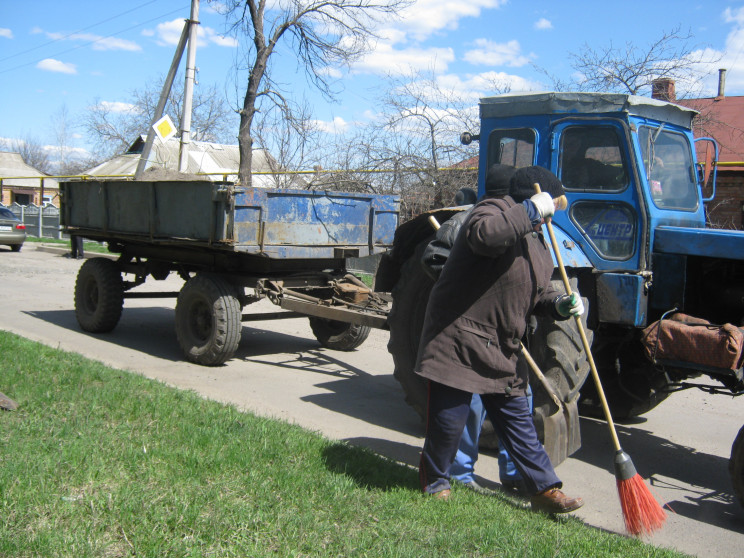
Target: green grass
(101,462)
(88,246)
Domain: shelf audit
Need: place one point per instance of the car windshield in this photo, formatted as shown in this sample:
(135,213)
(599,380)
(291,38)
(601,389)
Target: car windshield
(6,213)
(669,169)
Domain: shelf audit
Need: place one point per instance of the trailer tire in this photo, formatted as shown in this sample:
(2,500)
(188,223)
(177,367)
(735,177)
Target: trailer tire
(736,466)
(208,320)
(99,295)
(339,336)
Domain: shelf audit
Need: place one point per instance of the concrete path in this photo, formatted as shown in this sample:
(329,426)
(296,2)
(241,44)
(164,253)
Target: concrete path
(682,447)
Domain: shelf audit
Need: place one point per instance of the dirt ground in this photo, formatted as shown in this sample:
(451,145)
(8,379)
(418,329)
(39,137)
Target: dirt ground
(681,447)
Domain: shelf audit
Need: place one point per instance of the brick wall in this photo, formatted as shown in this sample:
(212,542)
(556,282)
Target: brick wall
(725,211)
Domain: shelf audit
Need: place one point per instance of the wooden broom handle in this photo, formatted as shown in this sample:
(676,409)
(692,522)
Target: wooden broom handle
(582,333)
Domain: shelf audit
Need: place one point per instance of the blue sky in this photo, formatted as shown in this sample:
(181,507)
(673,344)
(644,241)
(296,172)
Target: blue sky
(71,54)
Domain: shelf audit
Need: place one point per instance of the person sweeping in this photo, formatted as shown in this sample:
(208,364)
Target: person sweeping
(497,274)
(641,512)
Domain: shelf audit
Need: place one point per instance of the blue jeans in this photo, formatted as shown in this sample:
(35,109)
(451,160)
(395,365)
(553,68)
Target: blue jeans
(512,420)
(467,452)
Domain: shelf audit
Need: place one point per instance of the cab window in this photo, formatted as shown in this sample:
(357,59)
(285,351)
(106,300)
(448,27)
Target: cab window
(610,227)
(515,147)
(667,159)
(592,160)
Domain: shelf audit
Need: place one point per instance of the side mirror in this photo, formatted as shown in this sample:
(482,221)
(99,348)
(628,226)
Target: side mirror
(466,138)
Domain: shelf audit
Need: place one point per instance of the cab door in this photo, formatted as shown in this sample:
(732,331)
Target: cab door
(594,163)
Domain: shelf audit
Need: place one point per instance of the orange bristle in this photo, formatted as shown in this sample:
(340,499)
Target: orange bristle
(641,511)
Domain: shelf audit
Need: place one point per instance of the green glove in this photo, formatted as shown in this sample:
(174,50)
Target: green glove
(569,305)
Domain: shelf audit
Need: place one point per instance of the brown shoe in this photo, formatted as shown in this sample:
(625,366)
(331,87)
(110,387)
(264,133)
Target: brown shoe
(553,500)
(442,494)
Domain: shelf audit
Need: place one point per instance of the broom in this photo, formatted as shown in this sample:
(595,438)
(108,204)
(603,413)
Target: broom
(641,512)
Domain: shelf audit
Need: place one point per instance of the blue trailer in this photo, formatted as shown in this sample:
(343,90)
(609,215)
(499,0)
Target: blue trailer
(232,246)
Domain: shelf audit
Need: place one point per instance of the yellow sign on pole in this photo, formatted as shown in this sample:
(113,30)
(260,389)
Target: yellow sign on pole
(164,128)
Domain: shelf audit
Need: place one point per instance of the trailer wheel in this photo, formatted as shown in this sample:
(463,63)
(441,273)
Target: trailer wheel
(736,466)
(99,295)
(339,336)
(208,320)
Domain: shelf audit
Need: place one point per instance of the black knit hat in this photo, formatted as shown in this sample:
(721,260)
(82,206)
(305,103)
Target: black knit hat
(522,185)
(497,179)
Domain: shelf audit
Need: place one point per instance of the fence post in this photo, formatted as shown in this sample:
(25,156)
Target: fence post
(41,206)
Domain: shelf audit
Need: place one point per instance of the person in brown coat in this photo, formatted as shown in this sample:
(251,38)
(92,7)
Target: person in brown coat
(497,274)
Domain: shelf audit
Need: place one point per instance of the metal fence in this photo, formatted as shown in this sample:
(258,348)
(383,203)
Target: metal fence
(40,221)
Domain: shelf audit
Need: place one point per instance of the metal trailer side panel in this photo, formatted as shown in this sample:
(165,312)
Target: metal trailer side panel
(276,223)
(304,223)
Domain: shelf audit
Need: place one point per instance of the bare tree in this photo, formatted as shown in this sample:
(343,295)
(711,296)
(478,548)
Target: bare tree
(632,69)
(291,136)
(322,33)
(114,126)
(33,153)
(424,120)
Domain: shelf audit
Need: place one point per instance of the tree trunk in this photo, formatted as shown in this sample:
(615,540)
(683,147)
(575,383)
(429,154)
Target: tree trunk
(245,146)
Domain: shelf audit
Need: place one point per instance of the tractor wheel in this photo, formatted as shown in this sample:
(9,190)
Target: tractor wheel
(339,336)
(557,348)
(99,295)
(208,320)
(406,320)
(736,466)
(632,385)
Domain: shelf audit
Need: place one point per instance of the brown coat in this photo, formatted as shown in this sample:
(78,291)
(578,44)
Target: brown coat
(497,274)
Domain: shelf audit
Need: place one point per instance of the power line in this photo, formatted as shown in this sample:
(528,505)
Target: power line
(88,43)
(75,32)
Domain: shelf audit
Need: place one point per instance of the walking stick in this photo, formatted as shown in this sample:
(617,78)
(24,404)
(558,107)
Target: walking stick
(641,512)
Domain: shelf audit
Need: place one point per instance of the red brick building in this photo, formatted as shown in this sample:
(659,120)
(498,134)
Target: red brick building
(721,118)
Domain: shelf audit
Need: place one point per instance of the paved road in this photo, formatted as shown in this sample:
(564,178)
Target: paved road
(681,447)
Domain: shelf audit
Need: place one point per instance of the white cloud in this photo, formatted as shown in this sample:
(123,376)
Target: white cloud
(117,106)
(169,32)
(489,53)
(387,59)
(400,49)
(474,86)
(425,17)
(543,24)
(729,58)
(7,33)
(52,65)
(336,126)
(97,42)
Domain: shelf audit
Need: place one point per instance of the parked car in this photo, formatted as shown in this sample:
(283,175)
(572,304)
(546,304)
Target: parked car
(12,230)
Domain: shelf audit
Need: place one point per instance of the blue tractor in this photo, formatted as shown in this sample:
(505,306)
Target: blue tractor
(635,244)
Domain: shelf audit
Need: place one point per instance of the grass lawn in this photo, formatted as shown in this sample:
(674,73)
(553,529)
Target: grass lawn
(102,462)
(88,246)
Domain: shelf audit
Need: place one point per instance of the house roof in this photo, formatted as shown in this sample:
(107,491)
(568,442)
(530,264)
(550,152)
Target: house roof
(12,164)
(204,157)
(721,118)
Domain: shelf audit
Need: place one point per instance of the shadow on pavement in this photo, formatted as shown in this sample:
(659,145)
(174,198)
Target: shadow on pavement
(703,482)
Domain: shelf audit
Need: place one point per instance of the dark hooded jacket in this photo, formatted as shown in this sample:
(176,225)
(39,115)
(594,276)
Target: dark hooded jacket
(497,274)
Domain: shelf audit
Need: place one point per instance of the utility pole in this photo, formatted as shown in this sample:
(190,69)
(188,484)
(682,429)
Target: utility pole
(188,34)
(188,89)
